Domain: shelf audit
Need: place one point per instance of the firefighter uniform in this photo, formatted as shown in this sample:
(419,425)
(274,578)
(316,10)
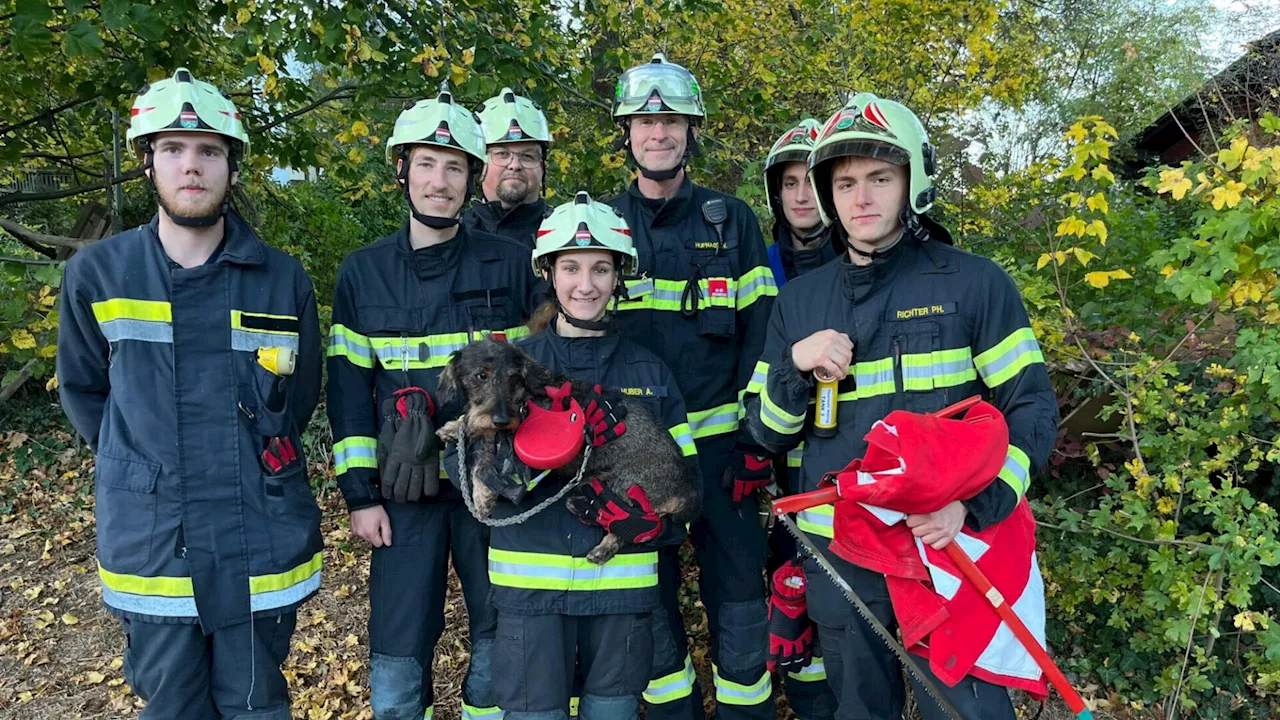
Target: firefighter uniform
(520,223)
(701,304)
(554,606)
(398,314)
(203,551)
(931,325)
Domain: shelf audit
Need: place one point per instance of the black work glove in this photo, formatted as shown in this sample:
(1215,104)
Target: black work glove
(604,413)
(631,518)
(408,453)
(750,469)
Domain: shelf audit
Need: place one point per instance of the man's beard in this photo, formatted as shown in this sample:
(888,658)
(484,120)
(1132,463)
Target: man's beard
(514,193)
(208,203)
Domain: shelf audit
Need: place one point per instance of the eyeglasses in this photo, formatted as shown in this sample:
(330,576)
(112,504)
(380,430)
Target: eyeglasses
(503,158)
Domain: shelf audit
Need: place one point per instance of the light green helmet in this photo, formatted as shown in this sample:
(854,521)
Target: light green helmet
(658,87)
(182,103)
(584,224)
(437,121)
(868,126)
(793,146)
(510,118)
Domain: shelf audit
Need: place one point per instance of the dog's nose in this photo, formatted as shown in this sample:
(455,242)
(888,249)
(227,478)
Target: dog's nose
(500,418)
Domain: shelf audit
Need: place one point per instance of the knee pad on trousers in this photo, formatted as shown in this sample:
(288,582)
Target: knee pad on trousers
(280,713)
(395,688)
(597,707)
(667,654)
(743,639)
(477,688)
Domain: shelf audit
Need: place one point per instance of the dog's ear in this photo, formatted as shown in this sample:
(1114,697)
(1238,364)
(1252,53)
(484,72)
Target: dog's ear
(448,388)
(536,376)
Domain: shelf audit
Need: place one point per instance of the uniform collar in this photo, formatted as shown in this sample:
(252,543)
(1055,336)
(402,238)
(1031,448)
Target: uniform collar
(666,211)
(434,260)
(783,239)
(581,352)
(240,244)
(524,213)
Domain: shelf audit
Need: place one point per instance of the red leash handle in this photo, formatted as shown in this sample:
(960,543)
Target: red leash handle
(828,495)
(1010,618)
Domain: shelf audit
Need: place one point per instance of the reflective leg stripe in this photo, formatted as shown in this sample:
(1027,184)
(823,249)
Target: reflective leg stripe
(1016,472)
(758,377)
(670,688)
(347,343)
(683,436)
(818,520)
(573,706)
(937,369)
(812,673)
(1004,361)
(250,331)
(174,597)
(356,451)
(544,571)
(429,713)
(127,319)
(714,421)
(776,418)
(754,284)
(471,712)
(731,693)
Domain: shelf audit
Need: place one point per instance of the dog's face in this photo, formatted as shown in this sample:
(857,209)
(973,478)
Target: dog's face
(492,377)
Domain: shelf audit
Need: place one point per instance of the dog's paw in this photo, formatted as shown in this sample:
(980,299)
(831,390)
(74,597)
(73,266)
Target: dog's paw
(604,552)
(484,499)
(450,431)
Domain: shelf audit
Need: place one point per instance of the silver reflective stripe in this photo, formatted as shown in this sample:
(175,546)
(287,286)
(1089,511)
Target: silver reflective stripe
(251,341)
(1009,357)
(143,330)
(161,606)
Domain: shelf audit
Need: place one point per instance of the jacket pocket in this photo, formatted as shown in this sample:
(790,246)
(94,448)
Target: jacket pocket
(264,401)
(717,316)
(294,514)
(125,492)
(915,366)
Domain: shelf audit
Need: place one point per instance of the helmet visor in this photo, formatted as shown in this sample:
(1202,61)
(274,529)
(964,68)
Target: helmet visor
(860,148)
(638,85)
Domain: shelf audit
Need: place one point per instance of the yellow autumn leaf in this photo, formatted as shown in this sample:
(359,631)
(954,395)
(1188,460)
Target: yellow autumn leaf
(69,619)
(94,677)
(1102,127)
(1226,195)
(1231,157)
(1098,202)
(468,56)
(1174,182)
(1072,199)
(1076,171)
(1077,133)
(1098,229)
(1102,278)
(267,65)
(359,129)
(47,351)
(1045,259)
(1070,225)
(1102,172)
(458,74)
(270,85)
(22,340)
(52,384)
(243,15)
(1084,256)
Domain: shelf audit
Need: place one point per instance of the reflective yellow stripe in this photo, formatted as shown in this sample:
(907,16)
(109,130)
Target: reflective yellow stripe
(684,438)
(660,294)
(777,418)
(1004,361)
(347,343)
(758,377)
(812,672)
(732,693)
(471,712)
(286,326)
(818,521)
(128,309)
(714,421)
(429,713)
(544,571)
(174,596)
(418,352)
(1016,472)
(754,284)
(937,369)
(356,451)
(673,686)
(794,456)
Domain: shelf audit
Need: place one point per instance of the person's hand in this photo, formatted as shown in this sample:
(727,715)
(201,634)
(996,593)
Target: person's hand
(372,525)
(937,529)
(826,351)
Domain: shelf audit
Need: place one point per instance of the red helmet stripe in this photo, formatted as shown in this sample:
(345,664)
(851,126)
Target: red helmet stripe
(872,113)
(139,111)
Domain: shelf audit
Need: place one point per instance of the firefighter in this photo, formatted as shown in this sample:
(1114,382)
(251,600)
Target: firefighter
(189,361)
(402,305)
(515,170)
(904,321)
(701,304)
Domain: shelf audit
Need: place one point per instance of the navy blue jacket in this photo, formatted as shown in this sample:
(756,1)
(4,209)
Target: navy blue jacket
(520,223)
(398,314)
(540,566)
(158,373)
(931,325)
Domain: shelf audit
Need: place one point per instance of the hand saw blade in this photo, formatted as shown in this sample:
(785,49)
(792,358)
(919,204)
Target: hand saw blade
(887,637)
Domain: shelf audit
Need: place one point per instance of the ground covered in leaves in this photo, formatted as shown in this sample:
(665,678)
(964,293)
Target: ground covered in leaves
(60,652)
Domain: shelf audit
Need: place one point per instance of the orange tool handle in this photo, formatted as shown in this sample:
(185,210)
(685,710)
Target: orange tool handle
(828,495)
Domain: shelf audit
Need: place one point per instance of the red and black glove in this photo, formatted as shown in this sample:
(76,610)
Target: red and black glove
(790,629)
(604,414)
(408,450)
(635,522)
(750,469)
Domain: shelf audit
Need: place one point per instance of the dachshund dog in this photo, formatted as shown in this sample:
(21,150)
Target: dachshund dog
(495,380)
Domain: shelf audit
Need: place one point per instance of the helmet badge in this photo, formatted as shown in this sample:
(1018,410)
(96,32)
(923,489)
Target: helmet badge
(515,133)
(582,237)
(188,119)
(654,103)
(443,136)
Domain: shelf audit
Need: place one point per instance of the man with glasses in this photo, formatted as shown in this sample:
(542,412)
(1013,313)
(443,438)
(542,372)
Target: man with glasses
(518,141)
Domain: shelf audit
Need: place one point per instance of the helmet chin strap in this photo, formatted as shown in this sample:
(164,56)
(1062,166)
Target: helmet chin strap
(816,232)
(435,222)
(432,221)
(910,224)
(192,221)
(604,323)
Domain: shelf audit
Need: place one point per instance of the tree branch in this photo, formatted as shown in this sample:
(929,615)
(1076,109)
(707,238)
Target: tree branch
(21,233)
(23,375)
(46,114)
(37,247)
(28,261)
(342,92)
(68,192)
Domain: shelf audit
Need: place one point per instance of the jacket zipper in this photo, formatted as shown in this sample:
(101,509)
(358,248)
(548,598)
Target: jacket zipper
(897,366)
